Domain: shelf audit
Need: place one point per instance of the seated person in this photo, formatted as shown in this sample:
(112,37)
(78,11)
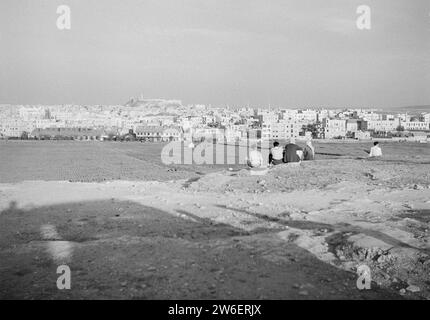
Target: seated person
(290,153)
(255,158)
(375,151)
(309,151)
(276,154)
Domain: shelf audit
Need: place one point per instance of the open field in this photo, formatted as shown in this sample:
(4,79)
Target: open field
(97,162)
(131,227)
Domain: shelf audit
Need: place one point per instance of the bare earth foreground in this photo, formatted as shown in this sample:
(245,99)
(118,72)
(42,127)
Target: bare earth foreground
(130,227)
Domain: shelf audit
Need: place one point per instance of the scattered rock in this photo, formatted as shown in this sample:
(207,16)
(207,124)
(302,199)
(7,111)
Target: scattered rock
(303,293)
(413,288)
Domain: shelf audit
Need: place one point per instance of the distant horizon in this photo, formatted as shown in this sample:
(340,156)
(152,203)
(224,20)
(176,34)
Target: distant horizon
(394,108)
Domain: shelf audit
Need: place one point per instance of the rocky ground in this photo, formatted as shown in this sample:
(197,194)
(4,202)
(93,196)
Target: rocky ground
(298,232)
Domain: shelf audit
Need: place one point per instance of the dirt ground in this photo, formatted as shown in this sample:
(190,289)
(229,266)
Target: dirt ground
(207,232)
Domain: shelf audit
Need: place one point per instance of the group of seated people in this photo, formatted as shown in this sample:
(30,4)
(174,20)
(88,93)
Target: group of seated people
(291,153)
(278,155)
(294,153)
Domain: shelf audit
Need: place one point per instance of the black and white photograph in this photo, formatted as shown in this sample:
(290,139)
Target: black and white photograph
(231,151)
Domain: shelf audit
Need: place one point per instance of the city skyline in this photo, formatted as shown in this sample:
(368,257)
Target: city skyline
(414,109)
(220,53)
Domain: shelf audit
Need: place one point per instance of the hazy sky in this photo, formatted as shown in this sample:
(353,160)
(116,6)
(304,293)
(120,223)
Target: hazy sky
(287,53)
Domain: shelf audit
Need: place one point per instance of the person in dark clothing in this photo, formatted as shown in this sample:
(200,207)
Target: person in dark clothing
(290,153)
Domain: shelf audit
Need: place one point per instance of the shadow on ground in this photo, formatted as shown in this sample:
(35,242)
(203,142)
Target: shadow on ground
(121,249)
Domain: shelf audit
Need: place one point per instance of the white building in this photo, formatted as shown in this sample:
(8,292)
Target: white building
(370,116)
(351,125)
(306,116)
(426,117)
(13,127)
(383,125)
(266,131)
(334,128)
(285,129)
(31,113)
(281,129)
(415,125)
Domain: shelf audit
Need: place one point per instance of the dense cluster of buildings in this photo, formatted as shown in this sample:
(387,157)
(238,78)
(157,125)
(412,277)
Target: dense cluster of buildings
(164,120)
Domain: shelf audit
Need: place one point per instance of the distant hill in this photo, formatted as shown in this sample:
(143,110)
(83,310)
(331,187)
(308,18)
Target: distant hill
(155,106)
(412,109)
